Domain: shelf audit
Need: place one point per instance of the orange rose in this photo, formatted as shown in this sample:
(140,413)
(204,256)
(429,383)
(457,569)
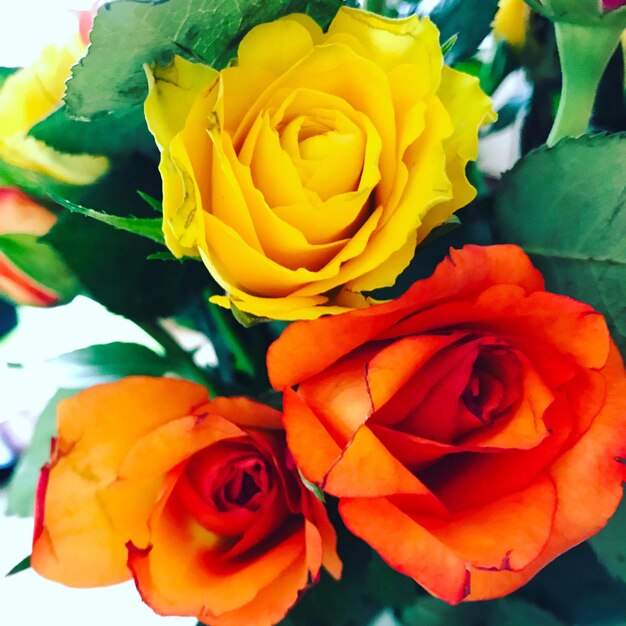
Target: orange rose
(197,499)
(470,428)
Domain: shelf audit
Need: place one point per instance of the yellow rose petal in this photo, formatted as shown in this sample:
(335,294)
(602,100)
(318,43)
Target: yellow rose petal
(275,46)
(391,42)
(172,91)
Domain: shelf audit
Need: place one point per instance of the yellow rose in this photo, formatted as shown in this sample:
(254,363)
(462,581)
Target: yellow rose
(309,169)
(29,96)
(511,21)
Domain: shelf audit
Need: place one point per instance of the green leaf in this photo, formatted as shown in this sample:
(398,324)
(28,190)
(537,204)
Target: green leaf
(566,206)
(24,481)
(151,228)
(247,319)
(116,133)
(388,586)
(312,487)
(469,19)
(105,362)
(429,611)
(128,34)
(24,564)
(113,267)
(5,72)
(41,262)
(610,546)
(507,113)
(157,205)
(518,612)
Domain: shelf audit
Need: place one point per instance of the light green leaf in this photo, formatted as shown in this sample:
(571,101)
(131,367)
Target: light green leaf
(24,481)
(312,487)
(157,205)
(103,363)
(152,228)
(128,34)
(566,206)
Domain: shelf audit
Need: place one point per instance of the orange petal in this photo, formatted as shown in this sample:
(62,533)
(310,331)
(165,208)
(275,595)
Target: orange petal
(270,605)
(588,473)
(407,546)
(506,534)
(303,427)
(183,573)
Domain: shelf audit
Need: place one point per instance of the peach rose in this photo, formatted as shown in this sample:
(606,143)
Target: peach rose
(197,499)
(471,428)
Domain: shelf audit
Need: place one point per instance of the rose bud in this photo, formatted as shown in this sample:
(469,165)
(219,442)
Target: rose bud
(31,272)
(198,500)
(472,429)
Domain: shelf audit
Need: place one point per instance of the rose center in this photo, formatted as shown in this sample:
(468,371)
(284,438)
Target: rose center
(229,476)
(493,384)
(327,150)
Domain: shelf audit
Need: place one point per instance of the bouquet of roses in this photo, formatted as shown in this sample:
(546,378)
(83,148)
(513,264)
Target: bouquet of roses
(418,399)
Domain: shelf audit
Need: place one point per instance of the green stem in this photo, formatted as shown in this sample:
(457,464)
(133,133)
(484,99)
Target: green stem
(584,52)
(180,358)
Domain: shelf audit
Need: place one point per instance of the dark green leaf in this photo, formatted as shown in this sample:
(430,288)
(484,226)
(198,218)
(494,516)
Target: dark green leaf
(116,133)
(41,262)
(469,19)
(610,544)
(507,114)
(105,362)
(577,589)
(518,612)
(429,611)
(126,35)
(566,206)
(22,486)
(388,586)
(113,267)
(151,228)
(24,564)
(5,72)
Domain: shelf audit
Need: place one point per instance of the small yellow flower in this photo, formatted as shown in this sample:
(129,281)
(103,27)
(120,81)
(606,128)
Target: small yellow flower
(310,169)
(27,97)
(511,22)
